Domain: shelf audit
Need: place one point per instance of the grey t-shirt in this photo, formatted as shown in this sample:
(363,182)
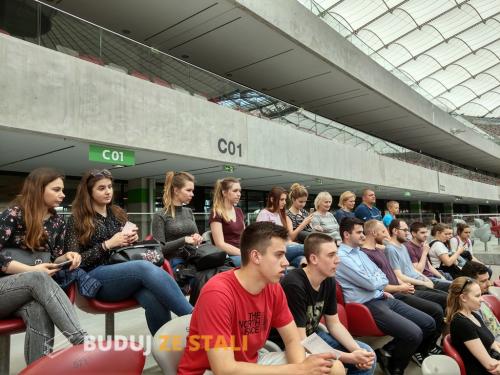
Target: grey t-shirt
(399,258)
(171,231)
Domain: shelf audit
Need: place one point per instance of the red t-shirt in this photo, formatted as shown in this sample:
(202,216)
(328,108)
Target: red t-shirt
(231,229)
(227,315)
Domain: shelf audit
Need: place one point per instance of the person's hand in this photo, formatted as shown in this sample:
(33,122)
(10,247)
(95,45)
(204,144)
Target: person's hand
(318,228)
(132,237)
(197,238)
(460,249)
(425,248)
(407,288)
(317,364)
(362,358)
(429,284)
(307,220)
(120,239)
(494,367)
(75,258)
(50,268)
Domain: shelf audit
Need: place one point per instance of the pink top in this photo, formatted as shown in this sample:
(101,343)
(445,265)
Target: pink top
(266,215)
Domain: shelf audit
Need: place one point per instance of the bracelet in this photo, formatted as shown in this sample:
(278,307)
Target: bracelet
(104,246)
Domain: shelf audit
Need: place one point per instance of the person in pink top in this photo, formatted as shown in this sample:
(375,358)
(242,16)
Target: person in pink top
(237,309)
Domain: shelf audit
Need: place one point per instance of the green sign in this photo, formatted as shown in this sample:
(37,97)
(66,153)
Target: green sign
(407,194)
(111,155)
(228,168)
(318,181)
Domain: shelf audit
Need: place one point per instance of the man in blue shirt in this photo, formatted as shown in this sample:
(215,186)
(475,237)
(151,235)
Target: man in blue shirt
(367,210)
(363,282)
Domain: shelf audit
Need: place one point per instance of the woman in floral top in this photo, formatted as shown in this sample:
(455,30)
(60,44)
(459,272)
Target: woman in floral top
(29,292)
(94,230)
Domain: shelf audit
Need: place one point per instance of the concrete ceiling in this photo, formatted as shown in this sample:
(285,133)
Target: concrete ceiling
(227,40)
(23,152)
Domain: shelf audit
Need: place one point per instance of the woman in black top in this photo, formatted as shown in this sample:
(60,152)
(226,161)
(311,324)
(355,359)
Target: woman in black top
(29,292)
(94,230)
(469,335)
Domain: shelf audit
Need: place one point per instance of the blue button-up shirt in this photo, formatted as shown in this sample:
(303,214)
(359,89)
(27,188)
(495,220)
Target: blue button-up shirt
(360,278)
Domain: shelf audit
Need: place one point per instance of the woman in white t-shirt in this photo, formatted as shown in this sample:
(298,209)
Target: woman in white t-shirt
(439,253)
(463,239)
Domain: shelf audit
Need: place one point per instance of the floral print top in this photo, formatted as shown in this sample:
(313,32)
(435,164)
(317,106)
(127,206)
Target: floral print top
(93,254)
(13,232)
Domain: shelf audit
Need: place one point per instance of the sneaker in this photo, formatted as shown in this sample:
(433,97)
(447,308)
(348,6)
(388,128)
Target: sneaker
(418,359)
(437,350)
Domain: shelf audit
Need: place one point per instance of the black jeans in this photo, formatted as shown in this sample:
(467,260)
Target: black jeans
(409,327)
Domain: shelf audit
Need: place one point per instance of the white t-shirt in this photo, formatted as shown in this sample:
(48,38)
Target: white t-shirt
(438,248)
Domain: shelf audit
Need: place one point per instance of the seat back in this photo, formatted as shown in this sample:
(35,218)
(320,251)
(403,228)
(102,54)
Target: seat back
(494,304)
(169,343)
(120,357)
(339,294)
(494,291)
(452,352)
(440,365)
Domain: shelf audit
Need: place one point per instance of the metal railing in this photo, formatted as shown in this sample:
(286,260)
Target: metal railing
(82,39)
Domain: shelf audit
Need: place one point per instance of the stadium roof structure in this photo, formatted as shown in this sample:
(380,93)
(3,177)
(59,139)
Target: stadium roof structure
(447,50)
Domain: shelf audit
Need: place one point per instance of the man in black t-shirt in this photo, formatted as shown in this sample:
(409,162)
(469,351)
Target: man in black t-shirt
(310,292)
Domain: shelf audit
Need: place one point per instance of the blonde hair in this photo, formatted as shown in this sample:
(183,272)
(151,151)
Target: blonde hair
(345,196)
(297,191)
(457,287)
(322,196)
(222,185)
(174,180)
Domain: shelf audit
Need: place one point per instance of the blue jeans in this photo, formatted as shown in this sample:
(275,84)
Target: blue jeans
(294,254)
(351,369)
(154,289)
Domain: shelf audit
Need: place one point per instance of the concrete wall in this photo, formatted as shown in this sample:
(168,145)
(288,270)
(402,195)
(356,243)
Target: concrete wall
(46,91)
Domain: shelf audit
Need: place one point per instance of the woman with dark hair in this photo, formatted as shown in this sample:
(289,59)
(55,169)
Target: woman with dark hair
(275,213)
(94,229)
(469,335)
(439,252)
(29,292)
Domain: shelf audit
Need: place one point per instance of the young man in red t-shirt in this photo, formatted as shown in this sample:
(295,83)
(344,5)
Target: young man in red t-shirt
(236,310)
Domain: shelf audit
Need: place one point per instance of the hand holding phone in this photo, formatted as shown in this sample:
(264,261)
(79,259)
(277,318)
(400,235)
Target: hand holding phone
(129,227)
(64,265)
(311,210)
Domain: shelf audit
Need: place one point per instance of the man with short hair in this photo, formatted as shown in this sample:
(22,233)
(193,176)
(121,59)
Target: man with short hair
(418,249)
(376,234)
(236,309)
(479,272)
(363,282)
(367,210)
(390,214)
(311,293)
(403,267)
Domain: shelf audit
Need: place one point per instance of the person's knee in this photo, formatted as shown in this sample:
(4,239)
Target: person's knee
(36,279)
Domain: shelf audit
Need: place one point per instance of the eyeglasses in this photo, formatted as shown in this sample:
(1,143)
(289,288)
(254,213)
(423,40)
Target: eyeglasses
(100,173)
(404,229)
(467,282)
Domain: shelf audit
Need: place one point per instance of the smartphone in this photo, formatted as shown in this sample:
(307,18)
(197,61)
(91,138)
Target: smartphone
(311,210)
(65,264)
(129,227)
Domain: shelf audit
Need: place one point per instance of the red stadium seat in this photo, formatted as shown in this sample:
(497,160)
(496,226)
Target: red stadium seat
(140,75)
(495,227)
(128,359)
(452,352)
(359,319)
(92,59)
(494,304)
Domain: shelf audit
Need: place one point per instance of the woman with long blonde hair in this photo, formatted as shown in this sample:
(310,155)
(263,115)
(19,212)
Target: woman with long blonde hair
(469,335)
(227,221)
(174,226)
(275,213)
(96,228)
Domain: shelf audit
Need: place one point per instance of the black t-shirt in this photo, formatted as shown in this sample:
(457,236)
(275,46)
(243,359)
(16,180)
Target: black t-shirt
(306,304)
(463,329)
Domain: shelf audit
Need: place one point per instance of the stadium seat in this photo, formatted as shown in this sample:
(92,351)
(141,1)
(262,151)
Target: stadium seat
(495,227)
(160,82)
(4,32)
(94,306)
(360,321)
(440,365)
(126,358)
(452,352)
(92,59)
(494,304)
(135,73)
(497,283)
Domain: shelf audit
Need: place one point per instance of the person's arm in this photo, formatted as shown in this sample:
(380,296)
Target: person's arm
(293,233)
(218,237)
(355,355)
(420,265)
(396,261)
(14,267)
(448,260)
(435,272)
(8,225)
(411,280)
(354,275)
(478,350)
(453,244)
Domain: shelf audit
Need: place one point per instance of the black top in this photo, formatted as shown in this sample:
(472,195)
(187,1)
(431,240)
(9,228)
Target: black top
(93,254)
(13,233)
(463,329)
(306,304)
(297,219)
